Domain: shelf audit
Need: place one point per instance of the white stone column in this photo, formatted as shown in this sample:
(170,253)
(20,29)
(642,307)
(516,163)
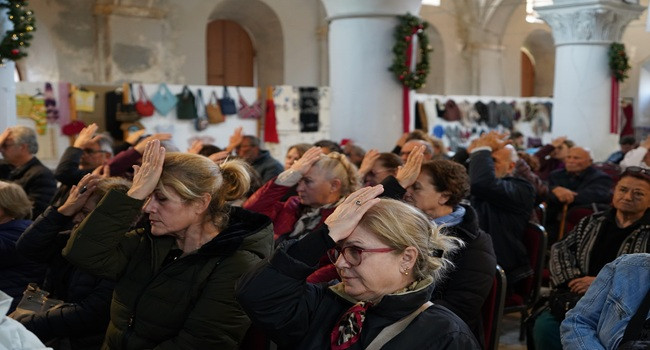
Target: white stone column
(7,84)
(489,70)
(366,99)
(583,32)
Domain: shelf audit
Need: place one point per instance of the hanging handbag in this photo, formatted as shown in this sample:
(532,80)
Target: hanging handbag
(125,111)
(163,100)
(227,104)
(35,300)
(246,111)
(201,121)
(144,107)
(186,106)
(213,110)
(560,301)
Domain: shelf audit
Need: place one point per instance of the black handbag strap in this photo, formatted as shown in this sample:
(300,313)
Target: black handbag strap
(133,100)
(633,328)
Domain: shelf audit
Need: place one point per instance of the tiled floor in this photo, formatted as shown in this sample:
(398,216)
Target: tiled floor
(509,339)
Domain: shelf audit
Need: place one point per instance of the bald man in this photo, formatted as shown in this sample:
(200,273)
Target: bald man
(503,202)
(578,184)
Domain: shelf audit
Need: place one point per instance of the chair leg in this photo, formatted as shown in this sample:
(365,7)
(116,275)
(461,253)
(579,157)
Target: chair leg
(522,325)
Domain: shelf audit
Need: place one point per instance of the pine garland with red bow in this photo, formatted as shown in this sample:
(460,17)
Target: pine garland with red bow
(15,42)
(409,27)
(618,61)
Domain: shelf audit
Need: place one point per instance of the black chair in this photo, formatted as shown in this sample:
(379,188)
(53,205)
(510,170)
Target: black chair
(492,310)
(540,213)
(526,292)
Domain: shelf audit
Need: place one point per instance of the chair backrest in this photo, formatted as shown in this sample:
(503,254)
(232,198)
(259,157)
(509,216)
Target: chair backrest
(574,215)
(611,169)
(492,310)
(536,241)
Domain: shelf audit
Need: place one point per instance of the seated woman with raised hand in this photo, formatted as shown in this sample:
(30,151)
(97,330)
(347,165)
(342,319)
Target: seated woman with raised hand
(82,320)
(294,153)
(323,182)
(16,270)
(437,188)
(176,278)
(376,166)
(388,267)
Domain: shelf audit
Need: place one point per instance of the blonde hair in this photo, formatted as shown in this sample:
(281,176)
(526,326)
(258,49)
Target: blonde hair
(337,166)
(400,225)
(111,183)
(14,201)
(193,175)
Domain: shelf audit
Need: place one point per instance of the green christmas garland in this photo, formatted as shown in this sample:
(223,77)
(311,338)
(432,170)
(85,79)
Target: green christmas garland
(15,42)
(618,61)
(410,25)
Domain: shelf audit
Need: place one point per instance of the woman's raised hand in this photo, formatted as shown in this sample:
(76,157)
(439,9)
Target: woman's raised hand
(308,159)
(147,175)
(409,172)
(368,162)
(347,215)
(79,195)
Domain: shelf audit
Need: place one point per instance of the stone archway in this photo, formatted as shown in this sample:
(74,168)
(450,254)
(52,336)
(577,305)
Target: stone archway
(264,29)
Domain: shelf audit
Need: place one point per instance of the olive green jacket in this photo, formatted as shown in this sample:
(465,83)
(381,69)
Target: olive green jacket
(188,303)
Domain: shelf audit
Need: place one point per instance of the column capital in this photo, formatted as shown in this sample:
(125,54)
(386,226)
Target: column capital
(337,9)
(589,22)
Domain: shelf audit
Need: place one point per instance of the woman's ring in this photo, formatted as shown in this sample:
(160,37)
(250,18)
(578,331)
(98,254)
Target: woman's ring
(357,202)
(83,189)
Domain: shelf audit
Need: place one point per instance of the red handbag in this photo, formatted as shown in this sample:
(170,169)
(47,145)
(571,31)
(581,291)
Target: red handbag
(144,107)
(246,111)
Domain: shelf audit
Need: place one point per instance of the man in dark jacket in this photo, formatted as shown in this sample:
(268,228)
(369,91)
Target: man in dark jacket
(503,203)
(578,184)
(19,164)
(88,152)
(265,165)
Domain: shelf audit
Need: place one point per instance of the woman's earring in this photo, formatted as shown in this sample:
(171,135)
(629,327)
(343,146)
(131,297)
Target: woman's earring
(406,272)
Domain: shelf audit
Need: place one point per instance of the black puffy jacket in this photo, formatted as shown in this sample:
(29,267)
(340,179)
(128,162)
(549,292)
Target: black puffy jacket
(85,316)
(300,315)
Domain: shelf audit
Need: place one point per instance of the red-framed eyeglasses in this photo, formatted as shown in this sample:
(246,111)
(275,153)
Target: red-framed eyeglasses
(353,254)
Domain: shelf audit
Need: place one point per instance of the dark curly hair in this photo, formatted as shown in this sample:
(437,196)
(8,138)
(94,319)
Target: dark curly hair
(448,176)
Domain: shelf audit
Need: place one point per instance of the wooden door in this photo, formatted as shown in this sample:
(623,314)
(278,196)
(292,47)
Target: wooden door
(527,76)
(230,54)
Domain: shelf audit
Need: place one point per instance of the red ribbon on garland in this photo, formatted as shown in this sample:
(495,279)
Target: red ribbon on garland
(614,112)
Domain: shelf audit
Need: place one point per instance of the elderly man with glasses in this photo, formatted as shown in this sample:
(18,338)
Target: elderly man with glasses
(597,240)
(89,151)
(18,146)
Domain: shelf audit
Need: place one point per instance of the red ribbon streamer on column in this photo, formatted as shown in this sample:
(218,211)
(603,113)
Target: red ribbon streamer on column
(406,103)
(614,112)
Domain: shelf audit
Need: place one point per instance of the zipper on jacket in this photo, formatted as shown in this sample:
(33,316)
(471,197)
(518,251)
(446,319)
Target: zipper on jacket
(131,320)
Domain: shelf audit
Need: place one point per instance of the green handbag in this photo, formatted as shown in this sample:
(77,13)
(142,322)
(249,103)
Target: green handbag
(186,106)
